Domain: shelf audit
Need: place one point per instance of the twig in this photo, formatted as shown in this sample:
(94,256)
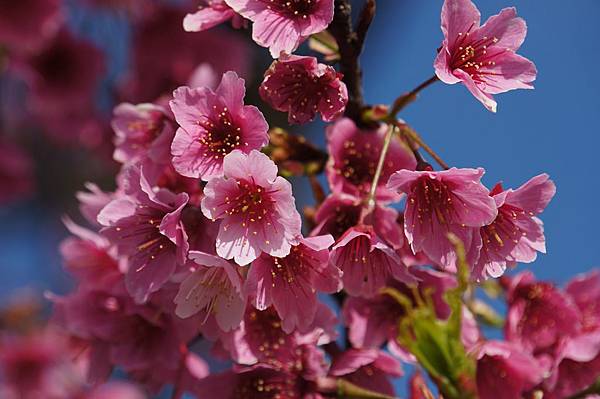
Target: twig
(386,145)
(417,139)
(409,97)
(350,45)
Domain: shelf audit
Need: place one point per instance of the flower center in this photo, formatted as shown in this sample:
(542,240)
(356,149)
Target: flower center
(221,135)
(253,204)
(359,165)
(292,8)
(433,198)
(504,229)
(471,55)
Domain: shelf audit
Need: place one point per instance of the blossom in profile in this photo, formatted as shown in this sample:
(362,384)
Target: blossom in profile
(291,283)
(211,13)
(339,212)
(256,208)
(146,227)
(505,371)
(370,369)
(213,124)
(540,315)
(450,201)
(516,235)
(366,262)
(483,57)
(281,25)
(354,154)
(302,87)
(142,131)
(373,321)
(214,288)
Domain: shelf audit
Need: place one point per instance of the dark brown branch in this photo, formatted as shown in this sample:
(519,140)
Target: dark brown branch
(350,45)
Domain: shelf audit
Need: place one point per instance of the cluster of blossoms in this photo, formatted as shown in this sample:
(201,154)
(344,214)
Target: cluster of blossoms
(200,253)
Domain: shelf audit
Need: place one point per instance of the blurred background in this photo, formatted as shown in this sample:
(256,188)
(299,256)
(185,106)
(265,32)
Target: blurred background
(67,63)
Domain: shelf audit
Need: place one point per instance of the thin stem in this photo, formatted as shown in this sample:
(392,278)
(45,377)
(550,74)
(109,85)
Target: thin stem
(386,145)
(415,137)
(411,96)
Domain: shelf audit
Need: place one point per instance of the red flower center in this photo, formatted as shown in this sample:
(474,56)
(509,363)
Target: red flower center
(222,134)
(292,8)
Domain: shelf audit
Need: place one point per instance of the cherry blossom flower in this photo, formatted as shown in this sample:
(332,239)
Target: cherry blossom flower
(142,131)
(339,212)
(367,368)
(92,201)
(214,288)
(211,13)
(38,366)
(374,321)
(585,292)
(291,283)
(255,206)
(281,25)
(260,337)
(144,340)
(366,262)
(302,87)
(516,235)
(145,226)
(354,155)
(483,57)
(64,74)
(438,203)
(505,371)
(539,314)
(212,124)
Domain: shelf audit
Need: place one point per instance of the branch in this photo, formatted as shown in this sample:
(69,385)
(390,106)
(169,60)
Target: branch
(350,46)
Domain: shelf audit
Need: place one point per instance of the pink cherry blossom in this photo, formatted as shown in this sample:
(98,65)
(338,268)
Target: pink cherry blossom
(438,203)
(516,235)
(302,87)
(64,74)
(142,131)
(38,366)
(539,314)
(213,288)
(281,25)
(366,262)
(211,13)
(354,154)
(92,201)
(339,212)
(483,57)
(212,124)
(585,291)
(374,321)
(367,368)
(505,371)
(145,226)
(89,257)
(260,337)
(255,206)
(291,283)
